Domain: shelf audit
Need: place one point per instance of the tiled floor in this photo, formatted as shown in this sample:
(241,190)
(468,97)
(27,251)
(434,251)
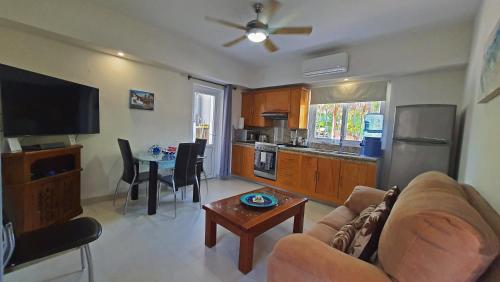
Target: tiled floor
(136,247)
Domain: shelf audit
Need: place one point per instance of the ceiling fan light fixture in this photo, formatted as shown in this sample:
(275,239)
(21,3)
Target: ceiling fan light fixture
(257,35)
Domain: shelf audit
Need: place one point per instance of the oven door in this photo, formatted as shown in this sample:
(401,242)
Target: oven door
(265,164)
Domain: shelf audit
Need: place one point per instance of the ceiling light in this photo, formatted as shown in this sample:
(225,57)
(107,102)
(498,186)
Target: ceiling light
(257,35)
(346,79)
(121,54)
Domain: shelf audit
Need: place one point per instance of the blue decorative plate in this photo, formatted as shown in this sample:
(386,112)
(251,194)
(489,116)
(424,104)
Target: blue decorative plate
(268,200)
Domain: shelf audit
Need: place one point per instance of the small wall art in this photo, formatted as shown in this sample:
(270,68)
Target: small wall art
(142,100)
(490,75)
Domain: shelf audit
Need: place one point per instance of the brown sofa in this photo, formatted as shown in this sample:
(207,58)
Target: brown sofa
(438,230)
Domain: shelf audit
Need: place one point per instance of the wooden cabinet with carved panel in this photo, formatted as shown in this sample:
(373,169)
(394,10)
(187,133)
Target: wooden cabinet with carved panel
(41,187)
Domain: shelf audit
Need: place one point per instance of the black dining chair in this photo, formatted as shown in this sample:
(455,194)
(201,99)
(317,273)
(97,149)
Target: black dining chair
(184,172)
(130,174)
(35,246)
(202,143)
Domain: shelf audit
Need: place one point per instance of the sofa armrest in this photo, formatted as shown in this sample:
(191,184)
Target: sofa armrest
(301,257)
(362,197)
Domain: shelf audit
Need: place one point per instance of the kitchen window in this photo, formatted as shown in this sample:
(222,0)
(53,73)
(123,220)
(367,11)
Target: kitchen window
(331,121)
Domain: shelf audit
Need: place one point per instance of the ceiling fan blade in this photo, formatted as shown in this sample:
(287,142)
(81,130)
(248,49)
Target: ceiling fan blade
(226,23)
(270,10)
(270,46)
(236,41)
(293,30)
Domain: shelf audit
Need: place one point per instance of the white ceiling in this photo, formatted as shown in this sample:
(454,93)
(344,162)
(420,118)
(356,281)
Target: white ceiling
(336,22)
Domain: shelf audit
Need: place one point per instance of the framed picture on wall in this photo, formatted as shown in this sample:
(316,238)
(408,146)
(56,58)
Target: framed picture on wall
(490,75)
(142,100)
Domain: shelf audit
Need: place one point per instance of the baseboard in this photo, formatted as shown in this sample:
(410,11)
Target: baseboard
(99,199)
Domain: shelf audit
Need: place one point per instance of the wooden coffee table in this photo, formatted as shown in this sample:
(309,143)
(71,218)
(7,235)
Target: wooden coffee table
(249,223)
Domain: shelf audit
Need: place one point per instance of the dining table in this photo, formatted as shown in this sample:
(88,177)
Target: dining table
(156,162)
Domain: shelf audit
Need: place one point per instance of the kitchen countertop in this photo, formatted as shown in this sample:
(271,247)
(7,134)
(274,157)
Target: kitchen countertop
(319,152)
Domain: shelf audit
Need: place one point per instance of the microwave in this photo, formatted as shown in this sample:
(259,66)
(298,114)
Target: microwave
(245,135)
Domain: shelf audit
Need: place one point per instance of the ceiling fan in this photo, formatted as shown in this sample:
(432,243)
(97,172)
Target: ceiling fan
(258,30)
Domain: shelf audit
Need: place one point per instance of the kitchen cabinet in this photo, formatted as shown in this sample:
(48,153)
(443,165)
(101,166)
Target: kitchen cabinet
(320,177)
(242,161)
(327,183)
(300,99)
(353,174)
(248,154)
(309,176)
(292,100)
(277,100)
(289,168)
(247,108)
(236,159)
(328,179)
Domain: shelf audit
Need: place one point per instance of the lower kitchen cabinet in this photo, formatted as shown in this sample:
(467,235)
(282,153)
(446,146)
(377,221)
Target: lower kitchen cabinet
(327,179)
(353,174)
(327,184)
(248,154)
(289,171)
(236,160)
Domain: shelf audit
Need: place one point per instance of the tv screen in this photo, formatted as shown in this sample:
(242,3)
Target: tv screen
(36,104)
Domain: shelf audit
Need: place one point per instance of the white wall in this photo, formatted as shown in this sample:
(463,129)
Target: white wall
(408,52)
(438,87)
(480,158)
(169,123)
(83,22)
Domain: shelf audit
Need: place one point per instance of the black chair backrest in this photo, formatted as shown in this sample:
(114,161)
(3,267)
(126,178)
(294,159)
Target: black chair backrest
(128,161)
(202,145)
(185,163)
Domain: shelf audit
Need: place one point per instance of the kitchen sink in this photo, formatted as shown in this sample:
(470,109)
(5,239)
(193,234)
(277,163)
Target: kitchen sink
(346,153)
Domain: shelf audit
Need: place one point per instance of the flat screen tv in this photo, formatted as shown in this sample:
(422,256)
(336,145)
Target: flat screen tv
(36,104)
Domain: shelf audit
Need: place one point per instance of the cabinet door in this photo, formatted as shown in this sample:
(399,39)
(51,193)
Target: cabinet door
(299,108)
(236,159)
(247,162)
(353,174)
(277,100)
(259,104)
(289,171)
(309,166)
(247,108)
(327,185)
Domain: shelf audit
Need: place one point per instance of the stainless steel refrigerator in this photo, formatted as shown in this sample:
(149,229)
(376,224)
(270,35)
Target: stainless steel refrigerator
(422,141)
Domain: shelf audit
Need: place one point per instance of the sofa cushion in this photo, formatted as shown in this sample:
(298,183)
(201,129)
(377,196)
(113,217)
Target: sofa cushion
(493,219)
(434,234)
(366,240)
(338,217)
(344,237)
(322,232)
(362,197)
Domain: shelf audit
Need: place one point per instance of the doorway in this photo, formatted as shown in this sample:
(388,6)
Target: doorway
(207,124)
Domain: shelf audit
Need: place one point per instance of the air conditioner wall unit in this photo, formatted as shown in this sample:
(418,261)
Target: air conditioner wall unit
(331,64)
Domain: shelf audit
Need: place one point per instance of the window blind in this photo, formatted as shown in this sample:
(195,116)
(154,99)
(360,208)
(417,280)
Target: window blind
(350,92)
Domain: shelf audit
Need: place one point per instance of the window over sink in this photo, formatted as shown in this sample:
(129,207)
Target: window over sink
(329,122)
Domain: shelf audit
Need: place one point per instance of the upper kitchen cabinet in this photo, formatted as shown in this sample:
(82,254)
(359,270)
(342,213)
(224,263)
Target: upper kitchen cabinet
(247,108)
(277,100)
(252,106)
(292,100)
(300,98)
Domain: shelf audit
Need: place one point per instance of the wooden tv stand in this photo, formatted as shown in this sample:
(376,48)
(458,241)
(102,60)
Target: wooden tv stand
(41,187)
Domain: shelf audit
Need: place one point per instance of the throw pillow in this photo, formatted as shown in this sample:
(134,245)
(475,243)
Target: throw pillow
(344,237)
(365,242)
(391,196)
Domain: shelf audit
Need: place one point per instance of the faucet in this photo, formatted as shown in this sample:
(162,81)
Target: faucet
(341,144)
